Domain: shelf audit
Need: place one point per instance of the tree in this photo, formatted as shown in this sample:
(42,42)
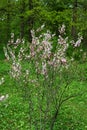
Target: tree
(22,21)
(30,20)
(6,9)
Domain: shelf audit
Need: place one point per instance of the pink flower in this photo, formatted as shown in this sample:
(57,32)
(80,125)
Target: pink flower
(62,29)
(63,61)
(61,40)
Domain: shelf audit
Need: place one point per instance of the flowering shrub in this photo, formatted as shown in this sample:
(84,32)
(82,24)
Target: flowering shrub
(46,78)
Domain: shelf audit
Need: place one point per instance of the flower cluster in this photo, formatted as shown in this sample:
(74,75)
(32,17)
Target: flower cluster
(15,70)
(21,54)
(13,42)
(9,53)
(78,42)
(40,52)
(62,29)
(60,55)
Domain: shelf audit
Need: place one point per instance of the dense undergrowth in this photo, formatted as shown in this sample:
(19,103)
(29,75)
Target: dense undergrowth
(14,110)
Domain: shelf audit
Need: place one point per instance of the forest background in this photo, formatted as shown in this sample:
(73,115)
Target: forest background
(20,16)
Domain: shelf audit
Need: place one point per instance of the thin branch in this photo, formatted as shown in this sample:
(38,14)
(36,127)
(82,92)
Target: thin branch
(72,96)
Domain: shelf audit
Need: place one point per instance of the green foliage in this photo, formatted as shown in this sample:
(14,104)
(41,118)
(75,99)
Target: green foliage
(14,110)
(52,13)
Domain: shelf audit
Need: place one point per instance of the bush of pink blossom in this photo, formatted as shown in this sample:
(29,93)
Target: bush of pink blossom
(45,83)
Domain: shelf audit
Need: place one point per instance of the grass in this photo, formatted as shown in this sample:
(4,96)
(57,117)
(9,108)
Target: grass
(14,110)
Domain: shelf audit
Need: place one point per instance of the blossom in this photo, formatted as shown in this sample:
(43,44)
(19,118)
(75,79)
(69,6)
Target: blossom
(18,41)
(63,61)
(15,70)
(12,35)
(12,54)
(61,40)
(77,44)
(6,53)
(40,29)
(62,29)
(44,68)
(3,97)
